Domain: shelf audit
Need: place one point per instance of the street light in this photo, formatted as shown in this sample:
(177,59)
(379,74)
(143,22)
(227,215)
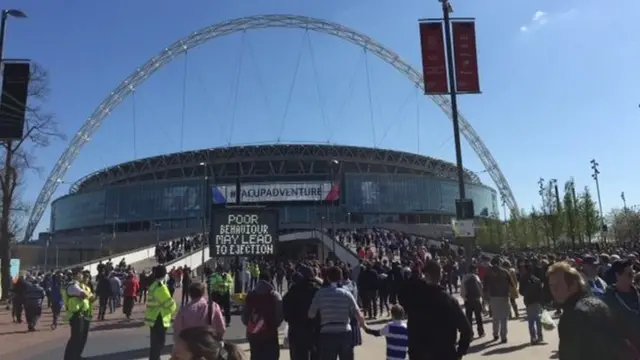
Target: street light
(595,176)
(334,165)
(18,14)
(205,206)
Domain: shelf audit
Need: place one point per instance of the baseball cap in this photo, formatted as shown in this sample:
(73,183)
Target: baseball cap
(590,260)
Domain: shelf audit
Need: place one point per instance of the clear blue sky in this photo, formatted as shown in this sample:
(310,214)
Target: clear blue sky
(559,80)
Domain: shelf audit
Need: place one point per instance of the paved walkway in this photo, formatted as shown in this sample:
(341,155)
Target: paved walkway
(118,339)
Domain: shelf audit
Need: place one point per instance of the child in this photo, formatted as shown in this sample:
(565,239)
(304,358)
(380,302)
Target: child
(395,333)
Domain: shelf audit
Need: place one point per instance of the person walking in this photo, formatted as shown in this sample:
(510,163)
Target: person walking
(262,315)
(532,292)
(434,319)
(586,329)
(130,292)
(498,285)
(77,299)
(56,299)
(471,292)
(34,296)
(159,311)
(336,306)
(296,301)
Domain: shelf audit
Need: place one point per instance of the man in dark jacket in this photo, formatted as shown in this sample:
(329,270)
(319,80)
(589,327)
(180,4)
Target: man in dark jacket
(434,319)
(497,283)
(586,329)
(624,301)
(295,305)
(531,291)
(104,291)
(262,314)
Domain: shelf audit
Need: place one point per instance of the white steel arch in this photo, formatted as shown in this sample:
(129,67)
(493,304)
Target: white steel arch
(201,36)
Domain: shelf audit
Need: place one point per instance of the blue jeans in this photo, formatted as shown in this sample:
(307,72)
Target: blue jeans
(336,345)
(534,311)
(114,302)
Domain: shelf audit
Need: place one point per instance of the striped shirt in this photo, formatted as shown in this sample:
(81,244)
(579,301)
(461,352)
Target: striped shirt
(397,337)
(336,306)
(597,286)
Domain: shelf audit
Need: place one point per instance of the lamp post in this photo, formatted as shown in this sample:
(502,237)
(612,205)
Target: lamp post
(541,191)
(157,225)
(205,207)
(334,167)
(15,13)
(8,165)
(595,176)
(46,250)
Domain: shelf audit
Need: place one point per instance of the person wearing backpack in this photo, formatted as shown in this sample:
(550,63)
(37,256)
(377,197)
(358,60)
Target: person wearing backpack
(471,292)
(262,315)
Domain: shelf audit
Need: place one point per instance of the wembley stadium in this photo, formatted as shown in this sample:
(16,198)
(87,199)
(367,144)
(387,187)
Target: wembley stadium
(310,185)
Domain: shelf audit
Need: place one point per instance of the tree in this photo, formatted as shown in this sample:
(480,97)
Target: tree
(537,227)
(625,223)
(489,234)
(589,215)
(40,130)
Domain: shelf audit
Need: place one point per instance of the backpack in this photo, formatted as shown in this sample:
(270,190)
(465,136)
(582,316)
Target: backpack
(471,288)
(261,307)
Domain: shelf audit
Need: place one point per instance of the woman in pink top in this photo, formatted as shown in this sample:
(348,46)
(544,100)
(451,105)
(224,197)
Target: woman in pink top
(195,314)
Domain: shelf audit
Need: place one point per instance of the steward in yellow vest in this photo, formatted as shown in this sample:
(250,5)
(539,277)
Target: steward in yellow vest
(77,298)
(225,290)
(159,312)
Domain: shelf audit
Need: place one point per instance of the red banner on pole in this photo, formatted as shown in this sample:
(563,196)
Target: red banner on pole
(434,58)
(465,56)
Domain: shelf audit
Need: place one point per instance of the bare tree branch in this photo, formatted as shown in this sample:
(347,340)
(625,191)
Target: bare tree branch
(40,130)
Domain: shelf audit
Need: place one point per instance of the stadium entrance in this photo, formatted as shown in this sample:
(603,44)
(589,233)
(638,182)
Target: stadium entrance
(299,249)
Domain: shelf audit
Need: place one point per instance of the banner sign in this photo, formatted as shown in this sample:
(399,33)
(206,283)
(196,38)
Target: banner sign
(466,56)
(277,192)
(243,232)
(434,58)
(13,101)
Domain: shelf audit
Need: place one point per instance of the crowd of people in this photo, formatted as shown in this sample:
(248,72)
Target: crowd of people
(169,251)
(115,286)
(433,298)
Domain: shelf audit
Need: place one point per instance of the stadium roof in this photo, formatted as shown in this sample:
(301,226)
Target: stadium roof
(277,160)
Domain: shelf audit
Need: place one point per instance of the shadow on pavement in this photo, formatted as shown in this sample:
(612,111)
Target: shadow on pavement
(506,349)
(129,354)
(14,332)
(122,324)
(555,355)
(481,346)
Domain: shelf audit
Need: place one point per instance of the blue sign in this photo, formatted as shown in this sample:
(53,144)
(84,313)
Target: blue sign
(14,269)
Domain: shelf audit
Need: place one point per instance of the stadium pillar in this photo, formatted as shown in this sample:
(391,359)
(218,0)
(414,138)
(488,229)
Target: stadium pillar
(464,206)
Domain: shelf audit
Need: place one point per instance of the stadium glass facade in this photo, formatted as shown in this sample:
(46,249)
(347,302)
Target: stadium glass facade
(364,198)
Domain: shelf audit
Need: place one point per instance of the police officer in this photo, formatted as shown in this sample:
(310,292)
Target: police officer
(160,310)
(225,287)
(214,283)
(77,298)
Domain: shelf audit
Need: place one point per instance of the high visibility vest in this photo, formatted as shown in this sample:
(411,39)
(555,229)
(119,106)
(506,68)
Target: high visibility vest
(254,270)
(225,285)
(76,305)
(214,282)
(159,303)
